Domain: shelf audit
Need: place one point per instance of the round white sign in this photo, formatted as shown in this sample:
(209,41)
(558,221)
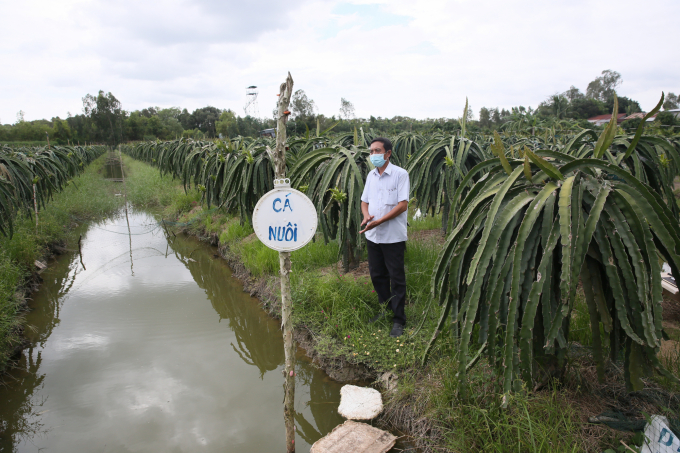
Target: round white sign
(284,219)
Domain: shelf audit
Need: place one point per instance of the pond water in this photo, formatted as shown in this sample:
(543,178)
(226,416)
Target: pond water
(150,345)
(112,168)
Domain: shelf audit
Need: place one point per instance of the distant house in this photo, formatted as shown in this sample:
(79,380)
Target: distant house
(599,120)
(268,133)
(675,112)
(635,115)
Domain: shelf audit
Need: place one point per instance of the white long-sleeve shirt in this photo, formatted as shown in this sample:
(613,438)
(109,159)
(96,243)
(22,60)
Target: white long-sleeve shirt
(383,193)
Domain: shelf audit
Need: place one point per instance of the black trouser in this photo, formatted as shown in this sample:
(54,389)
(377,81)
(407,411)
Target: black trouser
(386,266)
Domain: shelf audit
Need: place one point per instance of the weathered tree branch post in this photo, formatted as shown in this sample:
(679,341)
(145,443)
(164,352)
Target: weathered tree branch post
(279,157)
(35,189)
(35,204)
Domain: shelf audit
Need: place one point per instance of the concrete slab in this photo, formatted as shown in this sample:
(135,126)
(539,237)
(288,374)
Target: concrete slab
(355,437)
(359,403)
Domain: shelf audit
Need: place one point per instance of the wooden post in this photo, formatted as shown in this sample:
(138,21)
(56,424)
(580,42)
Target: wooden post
(279,156)
(35,205)
(48,140)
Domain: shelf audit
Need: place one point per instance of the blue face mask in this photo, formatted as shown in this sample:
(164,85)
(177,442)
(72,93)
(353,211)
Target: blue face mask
(378,160)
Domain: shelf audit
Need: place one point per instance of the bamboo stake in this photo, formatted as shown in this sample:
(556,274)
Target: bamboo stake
(279,157)
(35,191)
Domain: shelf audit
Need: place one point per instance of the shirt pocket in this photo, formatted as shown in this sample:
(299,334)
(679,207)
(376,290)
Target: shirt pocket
(391,196)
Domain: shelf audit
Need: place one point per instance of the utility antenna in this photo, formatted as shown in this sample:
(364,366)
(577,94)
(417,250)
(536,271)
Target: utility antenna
(251,102)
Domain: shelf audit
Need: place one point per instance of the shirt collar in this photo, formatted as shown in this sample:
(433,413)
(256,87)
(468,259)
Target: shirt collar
(388,170)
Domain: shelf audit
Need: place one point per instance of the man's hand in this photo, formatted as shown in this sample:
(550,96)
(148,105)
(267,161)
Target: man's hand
(402,206)
(370,225)
(367,219)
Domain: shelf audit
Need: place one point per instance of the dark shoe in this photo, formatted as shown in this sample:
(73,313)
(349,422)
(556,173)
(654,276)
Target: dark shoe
(377,317)
(397,330)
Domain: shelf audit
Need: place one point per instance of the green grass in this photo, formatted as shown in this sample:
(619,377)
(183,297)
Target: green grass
(261,260)
(256,257)
(314,255)
(536,423)
(337,307)
(579,326)
(548,421)
(147,189)
(426,222)
(235,231)
(182,202)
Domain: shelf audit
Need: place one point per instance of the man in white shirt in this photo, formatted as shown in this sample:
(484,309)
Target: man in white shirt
(384,205)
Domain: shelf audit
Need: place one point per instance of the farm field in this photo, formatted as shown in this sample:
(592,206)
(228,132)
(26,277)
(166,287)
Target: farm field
(533,270)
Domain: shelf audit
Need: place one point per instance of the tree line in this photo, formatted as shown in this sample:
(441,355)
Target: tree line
(103,119)
(575,107)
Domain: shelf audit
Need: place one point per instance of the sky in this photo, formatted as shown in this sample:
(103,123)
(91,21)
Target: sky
(417,58)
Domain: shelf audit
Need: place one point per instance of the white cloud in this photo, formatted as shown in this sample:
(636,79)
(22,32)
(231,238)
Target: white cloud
(85,341)
(418,58)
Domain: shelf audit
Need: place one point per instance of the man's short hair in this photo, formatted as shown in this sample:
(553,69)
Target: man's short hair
(387,144)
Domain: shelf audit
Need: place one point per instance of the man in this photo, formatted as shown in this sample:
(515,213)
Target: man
(384,204)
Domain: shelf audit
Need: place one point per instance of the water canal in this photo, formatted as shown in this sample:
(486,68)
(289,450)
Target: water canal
(150,345)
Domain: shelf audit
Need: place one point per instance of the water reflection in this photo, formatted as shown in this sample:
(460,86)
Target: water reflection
(112,168)
(323,402)
(25,422)
(145,363)
(210,275)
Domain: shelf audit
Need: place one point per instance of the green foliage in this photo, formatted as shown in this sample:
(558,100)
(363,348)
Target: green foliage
(602,217)
(667,119)
(672,101)
(602,88)
(404,147)
(437,169)
(106,115)
(49,170)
